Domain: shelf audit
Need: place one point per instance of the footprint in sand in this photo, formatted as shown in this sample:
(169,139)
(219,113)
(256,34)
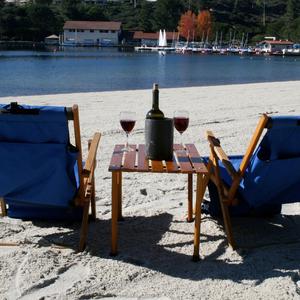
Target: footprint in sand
(53,280)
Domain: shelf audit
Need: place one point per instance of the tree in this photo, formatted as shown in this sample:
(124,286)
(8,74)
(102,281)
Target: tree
(43,21)
(167,14)
(71,9)
(95,13)
(204,23)
(263,4)
(187,24)
(7,21)
(289,18)
(290,10)
(43,2)
(146,16)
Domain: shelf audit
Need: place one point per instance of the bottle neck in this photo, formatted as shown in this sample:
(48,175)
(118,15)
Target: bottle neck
(155,101)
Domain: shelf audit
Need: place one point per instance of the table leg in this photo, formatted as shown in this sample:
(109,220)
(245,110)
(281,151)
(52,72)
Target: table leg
(202,181)
(190,198)
(3,207)
(114,213)
(119,183)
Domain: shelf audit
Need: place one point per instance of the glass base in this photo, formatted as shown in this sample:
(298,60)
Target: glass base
(181,152)
(127,148)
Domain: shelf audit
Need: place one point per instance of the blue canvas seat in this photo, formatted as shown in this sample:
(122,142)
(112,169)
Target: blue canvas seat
(266,177)
(42,175)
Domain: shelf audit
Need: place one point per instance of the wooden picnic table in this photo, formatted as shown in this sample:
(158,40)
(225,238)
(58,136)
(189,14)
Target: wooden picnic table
(185,161)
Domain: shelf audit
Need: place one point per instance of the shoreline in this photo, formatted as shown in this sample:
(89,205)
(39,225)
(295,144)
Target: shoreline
(155,241)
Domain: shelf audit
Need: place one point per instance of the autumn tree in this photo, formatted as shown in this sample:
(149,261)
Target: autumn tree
(187,24)
(204,24)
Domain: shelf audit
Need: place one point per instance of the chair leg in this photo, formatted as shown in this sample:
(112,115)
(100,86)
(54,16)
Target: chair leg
(93,199)
(227,224)
(3,207)
(202,181)
(84,226)
(224,207)
(93,194)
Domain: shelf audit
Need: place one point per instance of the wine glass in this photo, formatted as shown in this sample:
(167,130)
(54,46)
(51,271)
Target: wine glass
(181,122)
(127,121)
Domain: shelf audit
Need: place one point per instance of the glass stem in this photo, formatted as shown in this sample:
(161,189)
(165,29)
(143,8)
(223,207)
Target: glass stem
(126,146)
(181,141)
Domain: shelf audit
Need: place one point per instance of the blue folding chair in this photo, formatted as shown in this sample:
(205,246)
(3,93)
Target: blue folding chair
(266,177)
(42,174)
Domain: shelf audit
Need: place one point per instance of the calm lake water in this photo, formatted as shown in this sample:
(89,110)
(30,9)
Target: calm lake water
(75,70)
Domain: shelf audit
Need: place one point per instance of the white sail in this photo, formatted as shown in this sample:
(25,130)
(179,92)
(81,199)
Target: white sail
(160,38)
(164,40)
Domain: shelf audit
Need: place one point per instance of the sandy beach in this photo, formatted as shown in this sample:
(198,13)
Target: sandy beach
(155,242)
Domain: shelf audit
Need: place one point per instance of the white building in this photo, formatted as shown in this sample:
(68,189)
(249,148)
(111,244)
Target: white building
(91,33)
(17,1)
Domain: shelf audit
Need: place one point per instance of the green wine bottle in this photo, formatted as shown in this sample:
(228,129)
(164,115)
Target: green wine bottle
(155,112)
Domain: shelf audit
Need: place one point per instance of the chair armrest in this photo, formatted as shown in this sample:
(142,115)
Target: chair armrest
(89,164)
(220,153)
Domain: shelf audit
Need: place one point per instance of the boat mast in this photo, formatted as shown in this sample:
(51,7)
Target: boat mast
(216,39)
(202,39)
(173,39)
(246,40)
(242,41)
(206,41)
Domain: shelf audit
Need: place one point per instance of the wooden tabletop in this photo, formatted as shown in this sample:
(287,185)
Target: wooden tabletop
(188,161)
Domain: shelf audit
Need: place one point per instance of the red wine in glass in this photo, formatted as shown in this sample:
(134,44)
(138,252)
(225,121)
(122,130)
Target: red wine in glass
(127,125)
(127,121)
(181,124)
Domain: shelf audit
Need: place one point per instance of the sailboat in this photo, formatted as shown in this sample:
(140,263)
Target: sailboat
(161,44)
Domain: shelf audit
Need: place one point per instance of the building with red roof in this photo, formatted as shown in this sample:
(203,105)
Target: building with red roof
(151,38)
(92,33)
(273,46)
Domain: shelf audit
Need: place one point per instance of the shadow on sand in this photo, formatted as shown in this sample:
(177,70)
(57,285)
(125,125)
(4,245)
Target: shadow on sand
(268,247)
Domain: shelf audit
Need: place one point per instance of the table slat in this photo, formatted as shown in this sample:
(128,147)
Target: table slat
(129,162)
(116,160)
(143,163)
(183,159)
(172,165)
(196,159)
(157,166)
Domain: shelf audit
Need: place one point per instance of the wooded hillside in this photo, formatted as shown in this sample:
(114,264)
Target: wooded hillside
(34,21)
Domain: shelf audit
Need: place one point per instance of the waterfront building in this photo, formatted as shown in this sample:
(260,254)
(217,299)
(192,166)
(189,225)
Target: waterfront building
(91,33)
(273,46)
(151,38)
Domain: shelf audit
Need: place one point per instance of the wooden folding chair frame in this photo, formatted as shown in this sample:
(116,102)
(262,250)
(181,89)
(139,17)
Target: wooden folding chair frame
(227,195)
(86,194)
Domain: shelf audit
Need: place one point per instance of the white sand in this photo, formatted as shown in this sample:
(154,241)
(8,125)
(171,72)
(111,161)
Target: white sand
(155,242)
